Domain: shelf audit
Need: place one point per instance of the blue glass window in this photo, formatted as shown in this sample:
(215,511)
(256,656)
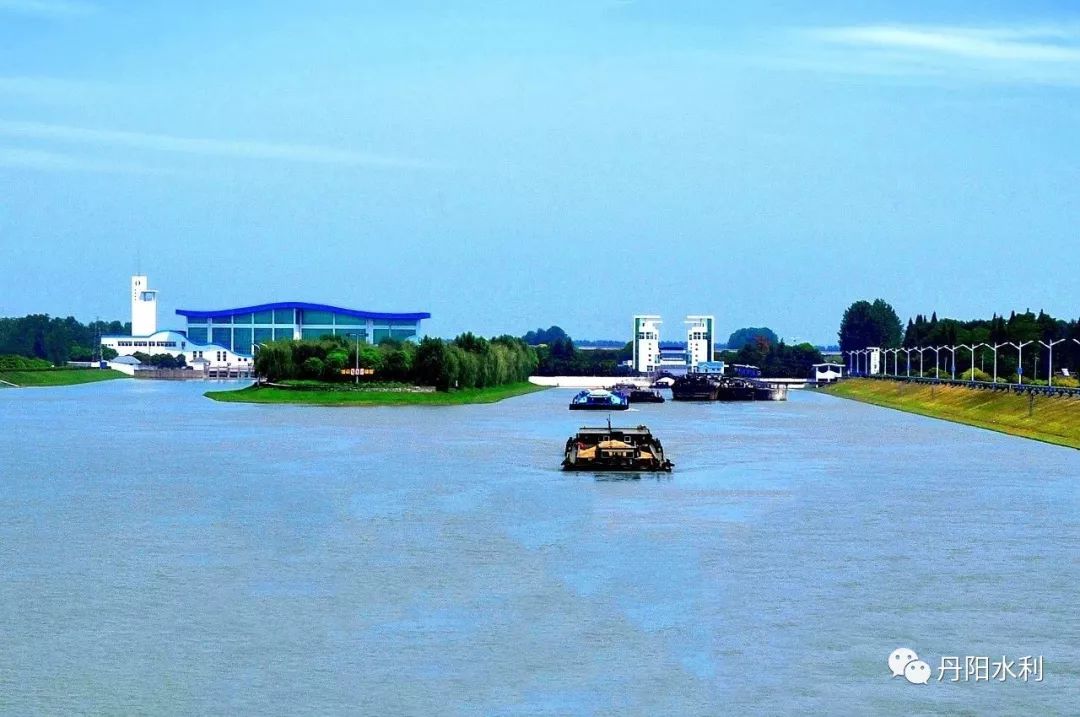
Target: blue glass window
(264,317)
(242,340)
(283,316)
(221,320)
(263,335)
(346,320)
(317,333)
(280,333)
(242,319)
(222,337)
(317,317)
(197,334)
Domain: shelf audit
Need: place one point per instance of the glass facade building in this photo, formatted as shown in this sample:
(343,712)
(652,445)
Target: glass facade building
(241,329)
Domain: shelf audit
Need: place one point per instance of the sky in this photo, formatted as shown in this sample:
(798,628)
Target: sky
(507,166)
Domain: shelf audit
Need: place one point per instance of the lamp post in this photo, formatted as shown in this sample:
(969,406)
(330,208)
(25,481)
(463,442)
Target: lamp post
(996,347)
(908,352)
(937,363)
(971,348)
(1020,361)
(953,350)
(356,375)
(1050,368)
(921,350)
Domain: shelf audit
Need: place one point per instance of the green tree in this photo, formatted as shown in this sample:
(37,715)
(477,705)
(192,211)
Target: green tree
(750,334)
(870,324)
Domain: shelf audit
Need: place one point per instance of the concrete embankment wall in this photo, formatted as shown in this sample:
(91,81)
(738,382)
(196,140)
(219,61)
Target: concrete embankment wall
(580,382)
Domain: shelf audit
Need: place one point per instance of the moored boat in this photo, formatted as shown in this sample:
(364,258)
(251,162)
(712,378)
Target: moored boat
(615,449)
(634,394)
(599,400)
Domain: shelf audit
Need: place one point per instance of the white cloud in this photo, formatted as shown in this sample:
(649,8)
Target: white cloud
(55,161)
(243,149)
(48,8)
(1037,53)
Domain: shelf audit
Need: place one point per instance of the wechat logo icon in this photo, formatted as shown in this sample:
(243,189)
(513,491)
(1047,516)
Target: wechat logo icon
(903,662)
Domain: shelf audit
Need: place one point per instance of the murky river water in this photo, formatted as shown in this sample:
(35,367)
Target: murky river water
(162,553)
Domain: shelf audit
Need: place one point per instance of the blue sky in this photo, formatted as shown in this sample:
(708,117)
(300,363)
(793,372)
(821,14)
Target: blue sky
(512,165)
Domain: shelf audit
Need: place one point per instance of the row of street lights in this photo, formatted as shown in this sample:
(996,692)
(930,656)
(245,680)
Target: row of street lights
(856,365)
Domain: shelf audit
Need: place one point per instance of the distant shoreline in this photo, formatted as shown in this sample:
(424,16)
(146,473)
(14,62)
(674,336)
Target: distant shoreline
(51,377)
(1053,420)
(276,395)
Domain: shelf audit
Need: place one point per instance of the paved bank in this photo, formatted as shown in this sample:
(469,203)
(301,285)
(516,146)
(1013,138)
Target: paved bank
(1050,419)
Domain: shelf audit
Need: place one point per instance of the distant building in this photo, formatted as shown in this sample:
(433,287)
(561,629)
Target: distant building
(827,372)
(646,349)
(874,360)
(711,367)
(143,307)
(700,337)
(229,337)
(650,355)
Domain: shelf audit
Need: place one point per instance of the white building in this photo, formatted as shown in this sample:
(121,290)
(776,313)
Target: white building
(646,355)
(827,372)
(874,360)
(143,307)
(700,338)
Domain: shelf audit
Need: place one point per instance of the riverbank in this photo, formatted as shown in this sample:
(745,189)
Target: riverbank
(270,394)
(1053,420)
(58,376)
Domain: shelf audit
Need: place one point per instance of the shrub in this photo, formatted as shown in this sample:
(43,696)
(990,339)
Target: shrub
(313,367)
(979,375)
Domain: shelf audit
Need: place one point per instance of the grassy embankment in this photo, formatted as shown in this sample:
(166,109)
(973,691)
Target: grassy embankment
(58,376)
(1054,420)
(361,397)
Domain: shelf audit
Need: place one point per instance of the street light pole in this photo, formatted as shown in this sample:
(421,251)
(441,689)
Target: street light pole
(1020,361)
(996,347)
(937,363)
(953,350)
(1050,368)
(356,375)
(908,352)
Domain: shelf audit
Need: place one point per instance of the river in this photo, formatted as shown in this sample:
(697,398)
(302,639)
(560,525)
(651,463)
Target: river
(164,553)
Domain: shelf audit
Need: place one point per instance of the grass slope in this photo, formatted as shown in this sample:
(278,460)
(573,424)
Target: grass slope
(59,376)
(254,394)
(1054,420)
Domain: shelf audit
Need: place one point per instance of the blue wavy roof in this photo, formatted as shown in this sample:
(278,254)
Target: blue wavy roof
(192,314)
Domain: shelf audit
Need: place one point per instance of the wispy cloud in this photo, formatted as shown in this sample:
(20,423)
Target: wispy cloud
(1038,53)
(241,149)
(58,9)
(59,162)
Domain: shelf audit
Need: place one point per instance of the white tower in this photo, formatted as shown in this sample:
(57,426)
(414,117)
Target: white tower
(646,342)
(699,339)
(143,307)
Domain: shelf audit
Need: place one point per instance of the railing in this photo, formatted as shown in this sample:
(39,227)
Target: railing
(1017,388)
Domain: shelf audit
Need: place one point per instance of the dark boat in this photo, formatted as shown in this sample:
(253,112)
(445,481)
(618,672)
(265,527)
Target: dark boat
(615,449)
(599,400)
(696,387)
(710,387)
(635,394)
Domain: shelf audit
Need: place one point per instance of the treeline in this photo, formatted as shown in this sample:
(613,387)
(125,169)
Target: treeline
(467,361)
(562,358)
(865,324)
(1016,329)
(57,340)
(776,360)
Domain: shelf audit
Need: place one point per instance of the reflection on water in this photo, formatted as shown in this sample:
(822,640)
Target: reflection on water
(164,553)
